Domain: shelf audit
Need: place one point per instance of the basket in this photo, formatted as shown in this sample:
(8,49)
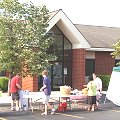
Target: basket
(65,90)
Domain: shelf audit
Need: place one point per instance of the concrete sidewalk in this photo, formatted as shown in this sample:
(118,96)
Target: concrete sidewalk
(5,99)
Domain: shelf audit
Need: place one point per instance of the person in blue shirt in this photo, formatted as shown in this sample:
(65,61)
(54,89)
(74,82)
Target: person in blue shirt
(47,92)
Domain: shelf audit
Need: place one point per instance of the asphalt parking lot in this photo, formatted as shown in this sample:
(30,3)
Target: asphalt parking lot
(107,111)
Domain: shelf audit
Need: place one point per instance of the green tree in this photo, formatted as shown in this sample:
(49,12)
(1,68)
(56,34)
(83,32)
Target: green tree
(116,53)
(24,41)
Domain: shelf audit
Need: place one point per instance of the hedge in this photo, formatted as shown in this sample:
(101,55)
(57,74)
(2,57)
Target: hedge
(105,81)
(4,84)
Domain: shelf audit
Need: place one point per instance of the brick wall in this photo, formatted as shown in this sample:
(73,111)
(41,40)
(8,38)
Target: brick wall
(104,63)
(78,68)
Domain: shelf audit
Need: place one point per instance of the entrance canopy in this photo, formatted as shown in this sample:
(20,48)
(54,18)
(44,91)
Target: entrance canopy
(113,92)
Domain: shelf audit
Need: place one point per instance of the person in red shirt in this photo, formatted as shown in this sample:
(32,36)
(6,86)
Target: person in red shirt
(14,88)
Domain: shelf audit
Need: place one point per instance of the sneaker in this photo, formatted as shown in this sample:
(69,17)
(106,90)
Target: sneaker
(44,113)
(88,109)
(12,108)
(53,111)
(17,108)
(93,109)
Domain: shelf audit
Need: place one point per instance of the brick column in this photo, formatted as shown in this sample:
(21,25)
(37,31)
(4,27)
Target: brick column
(78,68)
(30,83)
(104,63)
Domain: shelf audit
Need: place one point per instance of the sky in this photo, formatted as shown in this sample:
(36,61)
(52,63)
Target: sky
(86,12)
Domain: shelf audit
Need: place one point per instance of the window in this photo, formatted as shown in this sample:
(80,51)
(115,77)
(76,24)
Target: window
(89,67)
(2,73)
(60,70)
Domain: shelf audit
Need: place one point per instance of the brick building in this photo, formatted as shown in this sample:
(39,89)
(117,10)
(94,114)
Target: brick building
(82,50)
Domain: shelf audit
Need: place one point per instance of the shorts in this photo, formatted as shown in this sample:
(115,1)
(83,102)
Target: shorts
(15,96)
(91,100)
(46,99)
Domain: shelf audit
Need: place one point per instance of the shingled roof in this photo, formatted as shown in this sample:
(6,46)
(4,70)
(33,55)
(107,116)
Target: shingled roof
(95,36)
(99,36)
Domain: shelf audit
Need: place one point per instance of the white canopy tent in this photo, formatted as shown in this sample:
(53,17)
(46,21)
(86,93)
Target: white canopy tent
(113,92)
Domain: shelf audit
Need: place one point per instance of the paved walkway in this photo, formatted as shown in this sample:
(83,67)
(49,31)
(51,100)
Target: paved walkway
(108,111)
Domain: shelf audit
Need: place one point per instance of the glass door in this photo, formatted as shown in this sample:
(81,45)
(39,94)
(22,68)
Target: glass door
(56,75)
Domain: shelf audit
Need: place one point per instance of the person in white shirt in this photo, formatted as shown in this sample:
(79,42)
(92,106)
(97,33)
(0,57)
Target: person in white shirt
(98,82)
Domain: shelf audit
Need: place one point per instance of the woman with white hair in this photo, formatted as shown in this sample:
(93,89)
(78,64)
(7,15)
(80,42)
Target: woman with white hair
(98,82)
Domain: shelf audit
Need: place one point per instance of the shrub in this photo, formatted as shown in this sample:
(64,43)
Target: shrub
(4,83)
(105,81)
